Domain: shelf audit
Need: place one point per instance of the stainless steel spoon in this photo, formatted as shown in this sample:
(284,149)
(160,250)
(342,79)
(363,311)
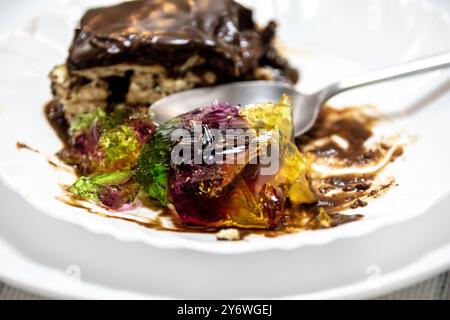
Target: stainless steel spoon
(306,107)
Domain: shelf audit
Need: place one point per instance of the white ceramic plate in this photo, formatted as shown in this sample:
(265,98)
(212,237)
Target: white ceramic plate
(57,259)
(332,39)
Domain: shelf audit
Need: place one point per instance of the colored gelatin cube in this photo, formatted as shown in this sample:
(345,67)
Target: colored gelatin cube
(227,166)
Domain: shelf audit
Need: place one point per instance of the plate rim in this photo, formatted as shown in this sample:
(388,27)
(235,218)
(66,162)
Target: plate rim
(415,271)
(226,247)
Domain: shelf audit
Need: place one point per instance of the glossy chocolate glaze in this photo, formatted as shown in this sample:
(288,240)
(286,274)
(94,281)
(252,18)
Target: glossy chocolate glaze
(168,32)
(55,115)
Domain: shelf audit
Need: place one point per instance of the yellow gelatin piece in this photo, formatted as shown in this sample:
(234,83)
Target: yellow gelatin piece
(269,116)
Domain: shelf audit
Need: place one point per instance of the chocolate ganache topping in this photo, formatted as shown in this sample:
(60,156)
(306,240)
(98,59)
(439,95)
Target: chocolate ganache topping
(169,32)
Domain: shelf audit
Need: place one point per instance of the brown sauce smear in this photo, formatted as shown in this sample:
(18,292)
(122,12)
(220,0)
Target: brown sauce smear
(337,193)
(352,125)
(21,146)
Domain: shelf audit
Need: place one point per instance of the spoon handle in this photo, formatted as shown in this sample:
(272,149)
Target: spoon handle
(431,63)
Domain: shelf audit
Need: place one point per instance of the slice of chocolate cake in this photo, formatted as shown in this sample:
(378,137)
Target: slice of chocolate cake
(136,52)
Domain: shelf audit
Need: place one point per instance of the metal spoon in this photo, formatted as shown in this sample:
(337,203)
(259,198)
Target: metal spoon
(306,107)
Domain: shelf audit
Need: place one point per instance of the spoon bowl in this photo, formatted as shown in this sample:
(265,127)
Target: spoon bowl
(242,93)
